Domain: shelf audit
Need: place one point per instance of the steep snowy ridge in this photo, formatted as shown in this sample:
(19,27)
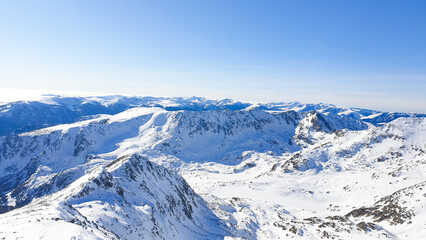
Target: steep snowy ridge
(271,171)
(129,198)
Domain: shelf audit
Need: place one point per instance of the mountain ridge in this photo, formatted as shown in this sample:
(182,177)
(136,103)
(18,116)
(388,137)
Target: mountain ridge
(23,116)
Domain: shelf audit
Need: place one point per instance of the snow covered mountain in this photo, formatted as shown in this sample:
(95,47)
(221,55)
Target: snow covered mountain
(190,168)
(23,116)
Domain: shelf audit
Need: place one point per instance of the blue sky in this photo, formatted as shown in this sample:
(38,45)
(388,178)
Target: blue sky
(353,53)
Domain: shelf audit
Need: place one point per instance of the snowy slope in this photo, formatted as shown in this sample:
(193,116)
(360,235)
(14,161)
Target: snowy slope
(327,179)
(270,171)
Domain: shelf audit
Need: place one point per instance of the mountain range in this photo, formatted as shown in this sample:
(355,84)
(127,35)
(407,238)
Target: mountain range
(116,167)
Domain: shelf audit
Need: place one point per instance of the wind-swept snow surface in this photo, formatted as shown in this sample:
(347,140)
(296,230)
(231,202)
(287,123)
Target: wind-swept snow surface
(172,168)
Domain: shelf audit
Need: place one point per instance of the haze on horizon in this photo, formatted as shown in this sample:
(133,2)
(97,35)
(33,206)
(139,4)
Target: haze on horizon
(358,54)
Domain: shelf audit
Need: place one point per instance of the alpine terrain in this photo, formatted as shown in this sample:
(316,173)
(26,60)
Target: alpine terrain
(117,167)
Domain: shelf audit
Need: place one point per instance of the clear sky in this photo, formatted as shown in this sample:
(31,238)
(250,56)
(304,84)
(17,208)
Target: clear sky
(353,53)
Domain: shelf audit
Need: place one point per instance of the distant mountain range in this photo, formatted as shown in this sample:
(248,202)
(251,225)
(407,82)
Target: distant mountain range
(22,116)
